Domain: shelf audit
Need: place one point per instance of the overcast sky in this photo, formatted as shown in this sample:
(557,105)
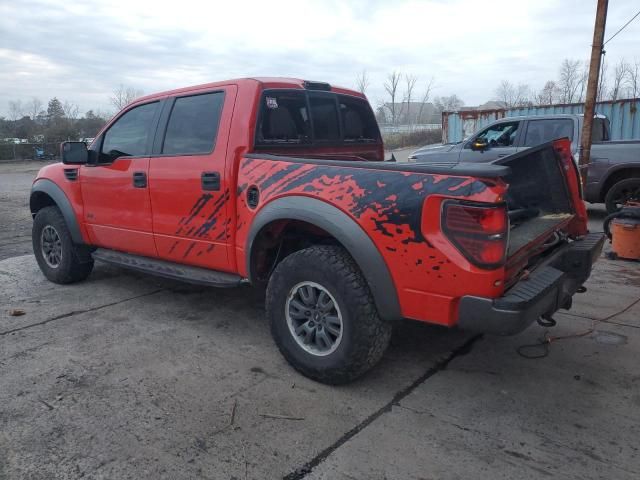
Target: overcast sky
(82,51)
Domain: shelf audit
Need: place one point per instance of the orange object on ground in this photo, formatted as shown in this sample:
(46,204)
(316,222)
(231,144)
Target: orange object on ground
(625,233)
(623,229)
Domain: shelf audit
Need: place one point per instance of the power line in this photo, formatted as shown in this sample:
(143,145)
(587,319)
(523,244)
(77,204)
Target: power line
(623,27)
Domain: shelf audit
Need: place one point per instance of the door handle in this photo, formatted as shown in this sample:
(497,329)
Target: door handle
(210,180)
(503,155)
(139,180)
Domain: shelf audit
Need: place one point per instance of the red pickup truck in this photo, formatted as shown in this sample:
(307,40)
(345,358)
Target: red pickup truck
(282,183)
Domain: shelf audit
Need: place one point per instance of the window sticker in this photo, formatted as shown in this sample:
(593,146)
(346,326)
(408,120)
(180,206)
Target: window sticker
(272,102)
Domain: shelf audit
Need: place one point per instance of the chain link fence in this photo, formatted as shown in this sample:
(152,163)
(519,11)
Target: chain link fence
(416,138)
(29,151)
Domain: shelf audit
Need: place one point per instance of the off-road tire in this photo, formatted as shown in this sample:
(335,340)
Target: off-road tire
(617,189)
(365,335)
(75,263)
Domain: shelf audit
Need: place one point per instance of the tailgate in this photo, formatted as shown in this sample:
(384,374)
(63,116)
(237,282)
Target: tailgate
(543,200)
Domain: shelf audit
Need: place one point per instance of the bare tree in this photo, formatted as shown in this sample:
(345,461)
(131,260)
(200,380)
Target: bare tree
(633,79)
(549,93)
(33,108)
(425,99)
(391,86)
(362,82)
(584,77)
(123,96)
(381,112)
(410,82)
(602,83)
(71,110)
(569,80)
(619,75)
(504,93)
(15,110)
(448,104)
(512,96)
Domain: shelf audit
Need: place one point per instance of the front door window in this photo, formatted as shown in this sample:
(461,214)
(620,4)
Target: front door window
(500,135)
(130,135)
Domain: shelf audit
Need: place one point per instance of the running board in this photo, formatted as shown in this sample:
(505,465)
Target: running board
(162,268)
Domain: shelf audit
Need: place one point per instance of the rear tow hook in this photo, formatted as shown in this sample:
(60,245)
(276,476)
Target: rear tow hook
(546,320)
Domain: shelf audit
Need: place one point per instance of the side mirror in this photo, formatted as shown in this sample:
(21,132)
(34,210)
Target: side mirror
(74,153)
(479,145)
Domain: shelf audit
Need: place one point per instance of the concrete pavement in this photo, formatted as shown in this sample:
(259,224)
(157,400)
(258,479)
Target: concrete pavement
(131,376)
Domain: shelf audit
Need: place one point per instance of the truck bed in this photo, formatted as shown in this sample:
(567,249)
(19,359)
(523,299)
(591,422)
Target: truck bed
(482,170)
(528,231)
(537,187)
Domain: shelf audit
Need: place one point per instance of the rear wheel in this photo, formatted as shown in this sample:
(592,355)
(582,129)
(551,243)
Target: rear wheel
(323,317)
(621,193)
(59,259)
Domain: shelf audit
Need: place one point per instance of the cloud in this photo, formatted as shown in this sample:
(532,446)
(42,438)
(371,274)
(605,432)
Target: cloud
(83,51)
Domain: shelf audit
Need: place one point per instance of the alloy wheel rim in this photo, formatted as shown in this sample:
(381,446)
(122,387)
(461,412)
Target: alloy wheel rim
(314,318)
(51,246)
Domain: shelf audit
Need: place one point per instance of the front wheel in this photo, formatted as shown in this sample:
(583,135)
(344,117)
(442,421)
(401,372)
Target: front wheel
(621,193)
(323,317)
(59,259)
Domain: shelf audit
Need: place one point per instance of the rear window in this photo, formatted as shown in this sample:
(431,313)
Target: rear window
(284,119)
(599,130)
(324,112)
(193,124)
(299,117)
(542,131)
(358,123)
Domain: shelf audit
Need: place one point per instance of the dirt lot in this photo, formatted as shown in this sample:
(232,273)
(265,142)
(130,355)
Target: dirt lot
(130,376)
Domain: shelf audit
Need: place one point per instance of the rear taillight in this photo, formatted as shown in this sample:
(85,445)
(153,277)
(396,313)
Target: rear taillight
(478,231)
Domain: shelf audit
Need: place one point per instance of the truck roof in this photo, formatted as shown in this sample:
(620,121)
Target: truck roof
(547,116)
(266,82)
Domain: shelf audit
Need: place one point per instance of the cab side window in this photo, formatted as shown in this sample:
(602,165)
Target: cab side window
(500,135)
(130,135)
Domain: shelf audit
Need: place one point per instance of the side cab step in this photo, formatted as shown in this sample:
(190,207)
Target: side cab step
(162,268)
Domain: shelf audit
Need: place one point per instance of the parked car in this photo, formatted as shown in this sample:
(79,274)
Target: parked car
(614,170)
(39,153)
(281,183)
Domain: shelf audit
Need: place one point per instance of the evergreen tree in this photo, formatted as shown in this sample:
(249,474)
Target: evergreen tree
(54,110)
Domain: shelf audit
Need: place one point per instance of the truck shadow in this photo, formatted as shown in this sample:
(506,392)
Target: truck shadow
(240,312)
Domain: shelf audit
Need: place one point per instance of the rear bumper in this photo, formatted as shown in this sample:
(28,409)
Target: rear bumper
(549,288)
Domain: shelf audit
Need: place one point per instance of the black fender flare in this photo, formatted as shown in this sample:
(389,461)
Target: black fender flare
(342,227)
(49,188)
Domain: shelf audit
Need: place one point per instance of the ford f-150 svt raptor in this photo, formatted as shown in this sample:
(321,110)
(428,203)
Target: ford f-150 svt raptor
(282,183)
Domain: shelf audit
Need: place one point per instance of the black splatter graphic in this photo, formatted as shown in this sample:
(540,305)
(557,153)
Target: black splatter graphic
(397,201)
(212,219)
(189,248)
(198,206)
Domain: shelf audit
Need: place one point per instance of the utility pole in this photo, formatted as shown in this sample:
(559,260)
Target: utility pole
(592,88)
